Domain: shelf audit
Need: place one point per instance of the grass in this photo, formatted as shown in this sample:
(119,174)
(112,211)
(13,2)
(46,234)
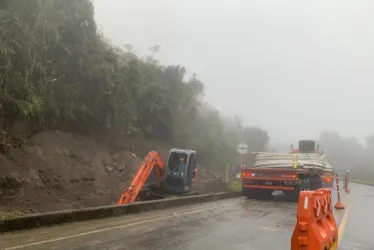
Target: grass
(235,185)
(7,215)
(365,182)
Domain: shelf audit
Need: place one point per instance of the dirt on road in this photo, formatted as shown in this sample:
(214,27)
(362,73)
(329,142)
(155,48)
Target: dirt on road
(59,170)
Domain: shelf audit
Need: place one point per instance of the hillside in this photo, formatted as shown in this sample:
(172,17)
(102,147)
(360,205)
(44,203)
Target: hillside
(59,170)
(58,73)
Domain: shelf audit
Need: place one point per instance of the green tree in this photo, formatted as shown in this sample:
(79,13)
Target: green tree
(154,49)
(58,72)
(129,47)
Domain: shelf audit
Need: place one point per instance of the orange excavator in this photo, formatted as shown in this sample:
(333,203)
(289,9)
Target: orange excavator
(155,179)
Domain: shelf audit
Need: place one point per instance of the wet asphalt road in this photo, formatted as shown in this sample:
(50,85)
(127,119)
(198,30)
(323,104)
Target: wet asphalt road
(358,227)
(227,224)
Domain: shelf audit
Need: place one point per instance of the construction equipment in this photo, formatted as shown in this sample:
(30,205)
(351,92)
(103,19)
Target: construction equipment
(300,169)
(155,179)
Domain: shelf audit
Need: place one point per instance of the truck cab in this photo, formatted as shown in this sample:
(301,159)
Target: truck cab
(307,146)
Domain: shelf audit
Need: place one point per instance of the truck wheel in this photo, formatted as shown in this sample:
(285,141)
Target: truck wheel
(264,194)
(304,185)
(292,196)
(249,192)
(315,182)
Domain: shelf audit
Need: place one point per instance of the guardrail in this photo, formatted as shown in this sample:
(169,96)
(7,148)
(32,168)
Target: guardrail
(64,216)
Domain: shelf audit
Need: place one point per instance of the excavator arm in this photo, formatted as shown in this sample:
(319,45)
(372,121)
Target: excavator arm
(150,162)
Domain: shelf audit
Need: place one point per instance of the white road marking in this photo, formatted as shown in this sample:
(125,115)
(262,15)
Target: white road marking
(111,228)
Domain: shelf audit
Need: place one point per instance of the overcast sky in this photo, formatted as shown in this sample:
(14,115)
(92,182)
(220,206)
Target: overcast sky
(292,67)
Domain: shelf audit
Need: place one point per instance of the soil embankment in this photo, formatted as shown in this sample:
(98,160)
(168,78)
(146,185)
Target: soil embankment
(59,170)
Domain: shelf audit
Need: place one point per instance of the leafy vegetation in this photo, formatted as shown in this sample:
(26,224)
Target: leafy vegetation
(348,154)
(7,215)
(57,72)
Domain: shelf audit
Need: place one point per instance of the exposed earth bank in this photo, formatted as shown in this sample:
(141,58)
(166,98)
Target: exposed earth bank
(58,170)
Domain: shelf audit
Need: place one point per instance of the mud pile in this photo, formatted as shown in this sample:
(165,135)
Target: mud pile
(59,170)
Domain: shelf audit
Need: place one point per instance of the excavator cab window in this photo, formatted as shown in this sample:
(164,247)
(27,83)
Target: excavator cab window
(179,174)
(177,164)
(191,169)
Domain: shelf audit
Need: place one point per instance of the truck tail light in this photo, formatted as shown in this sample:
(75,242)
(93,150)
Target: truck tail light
(291,176)
(327,179)
(246,174)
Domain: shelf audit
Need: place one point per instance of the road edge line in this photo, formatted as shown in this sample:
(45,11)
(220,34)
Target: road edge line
(77,215)
(342,225)
(113,228)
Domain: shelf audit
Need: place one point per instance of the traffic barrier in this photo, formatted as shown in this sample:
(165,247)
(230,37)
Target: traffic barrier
(339,204)
(346,182)
(315,228)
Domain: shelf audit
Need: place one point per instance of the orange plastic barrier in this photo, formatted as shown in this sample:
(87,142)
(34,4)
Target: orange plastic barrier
(316,228)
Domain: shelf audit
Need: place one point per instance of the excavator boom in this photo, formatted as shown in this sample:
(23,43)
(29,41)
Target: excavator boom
(150,162)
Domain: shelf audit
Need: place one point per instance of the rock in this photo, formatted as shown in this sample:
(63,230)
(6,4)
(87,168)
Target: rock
(107,159)
(74,180)
(121,167)
(35,178)
(109,169)
(14,181)
(99,192)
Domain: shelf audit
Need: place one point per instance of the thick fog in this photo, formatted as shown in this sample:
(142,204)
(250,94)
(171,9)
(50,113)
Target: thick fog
(292,67)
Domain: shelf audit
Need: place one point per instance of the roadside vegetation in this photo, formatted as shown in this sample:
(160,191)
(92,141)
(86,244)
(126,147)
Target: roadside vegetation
(57,72)
(348,154)
(365,182)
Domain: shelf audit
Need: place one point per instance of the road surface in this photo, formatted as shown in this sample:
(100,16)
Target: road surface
(358,225)
(236,223)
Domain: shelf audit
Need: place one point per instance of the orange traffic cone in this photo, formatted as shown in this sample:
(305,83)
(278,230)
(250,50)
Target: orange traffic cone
(339,204)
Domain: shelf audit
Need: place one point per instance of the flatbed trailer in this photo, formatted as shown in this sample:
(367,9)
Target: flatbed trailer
(261,183)
(291,172)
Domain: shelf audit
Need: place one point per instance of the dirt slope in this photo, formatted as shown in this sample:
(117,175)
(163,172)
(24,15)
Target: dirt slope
(60,170)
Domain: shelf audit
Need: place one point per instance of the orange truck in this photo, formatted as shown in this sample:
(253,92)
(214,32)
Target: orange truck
(300,169)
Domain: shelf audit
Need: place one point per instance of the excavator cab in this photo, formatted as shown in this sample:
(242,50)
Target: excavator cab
(180,171)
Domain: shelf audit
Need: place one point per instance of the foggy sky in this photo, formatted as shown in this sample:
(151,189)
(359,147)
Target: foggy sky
(292,67)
